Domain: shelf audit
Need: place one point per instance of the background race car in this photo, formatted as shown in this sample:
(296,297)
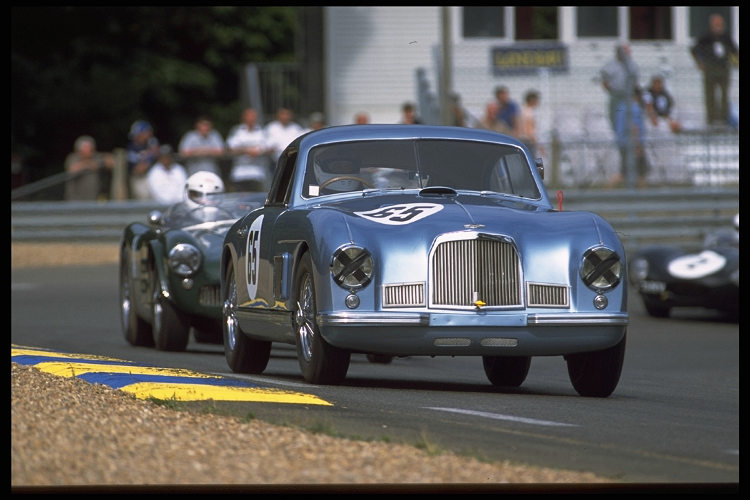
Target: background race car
(169,268)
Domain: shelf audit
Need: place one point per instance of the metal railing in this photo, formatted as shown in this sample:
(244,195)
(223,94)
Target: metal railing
(682,216)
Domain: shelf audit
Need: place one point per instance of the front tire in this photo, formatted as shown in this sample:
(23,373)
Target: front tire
(243,354)
(656,311)
(596,374)
(171,328)
(136,330)
(320,362)
(506,371)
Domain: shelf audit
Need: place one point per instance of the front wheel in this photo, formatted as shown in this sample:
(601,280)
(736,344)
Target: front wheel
(171,328)
(506,371)
(596,374)
(655,310)
(243,354)
(136,330)
(320,362)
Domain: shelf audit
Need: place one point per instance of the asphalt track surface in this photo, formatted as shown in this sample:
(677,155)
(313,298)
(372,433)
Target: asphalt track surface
(673,419)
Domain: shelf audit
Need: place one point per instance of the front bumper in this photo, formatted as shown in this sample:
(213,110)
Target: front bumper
(470,334)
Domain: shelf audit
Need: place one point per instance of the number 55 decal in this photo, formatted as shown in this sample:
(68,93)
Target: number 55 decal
(397,215)
(253,257)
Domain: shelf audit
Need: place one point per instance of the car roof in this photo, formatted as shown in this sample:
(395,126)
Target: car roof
(401,131)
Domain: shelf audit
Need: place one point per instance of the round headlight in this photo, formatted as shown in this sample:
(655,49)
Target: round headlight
(601,269)
(351,267)
(184,259)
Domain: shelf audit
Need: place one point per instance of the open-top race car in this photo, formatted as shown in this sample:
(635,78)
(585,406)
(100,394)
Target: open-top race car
(671,276)
(169,266)
(412,240)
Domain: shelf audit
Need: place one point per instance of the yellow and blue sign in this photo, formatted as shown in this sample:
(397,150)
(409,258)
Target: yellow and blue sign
(144,381)
(524,58)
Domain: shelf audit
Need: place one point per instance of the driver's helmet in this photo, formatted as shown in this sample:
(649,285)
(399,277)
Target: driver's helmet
(200,187)
(330,167)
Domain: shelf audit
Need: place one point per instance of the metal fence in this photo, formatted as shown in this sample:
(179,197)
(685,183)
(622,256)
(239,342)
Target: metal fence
(682,216)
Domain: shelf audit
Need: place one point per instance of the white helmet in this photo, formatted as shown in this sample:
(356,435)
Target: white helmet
(200,187)
(337,167)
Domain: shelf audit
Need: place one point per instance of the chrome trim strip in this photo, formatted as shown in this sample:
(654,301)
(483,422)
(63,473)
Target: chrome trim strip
(416,319)
(575,319)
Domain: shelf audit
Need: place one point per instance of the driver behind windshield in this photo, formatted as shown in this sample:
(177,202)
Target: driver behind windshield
(199,202)
(335,174)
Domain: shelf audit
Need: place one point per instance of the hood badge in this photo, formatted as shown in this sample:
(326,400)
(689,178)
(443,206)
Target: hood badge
(478,302)
(473,226)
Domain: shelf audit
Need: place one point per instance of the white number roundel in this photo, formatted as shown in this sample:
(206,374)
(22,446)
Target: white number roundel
(696,265)
(405,213)
(253,257)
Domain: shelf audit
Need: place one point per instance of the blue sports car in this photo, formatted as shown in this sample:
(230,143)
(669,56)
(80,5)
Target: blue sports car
(412,240)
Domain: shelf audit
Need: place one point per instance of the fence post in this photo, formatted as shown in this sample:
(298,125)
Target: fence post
(119,186)
(554,170)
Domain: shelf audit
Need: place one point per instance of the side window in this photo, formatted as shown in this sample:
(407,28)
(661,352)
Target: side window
(281,189)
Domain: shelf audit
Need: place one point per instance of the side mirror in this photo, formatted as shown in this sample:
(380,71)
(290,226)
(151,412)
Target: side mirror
(540,166)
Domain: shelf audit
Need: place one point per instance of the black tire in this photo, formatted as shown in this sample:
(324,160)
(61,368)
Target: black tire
(596,374)
(171,328)
(243,354)
(506,371)
(136,330)
(320,362)
(382,359)
(656,311)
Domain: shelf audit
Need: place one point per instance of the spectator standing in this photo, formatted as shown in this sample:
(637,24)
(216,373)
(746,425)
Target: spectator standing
(527,124)
(251,166)
(489,120)
(661,123)
(508,112)
(166,178)
(281,131)
(631,141)
(460,116)
(202,147)
(84,165)
(619,76)
(317,121)
(712,54)
(142,151)
(409,114)
(361,118)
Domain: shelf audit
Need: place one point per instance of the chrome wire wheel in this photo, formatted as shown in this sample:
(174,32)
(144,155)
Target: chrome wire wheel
(230,316)
(305,317)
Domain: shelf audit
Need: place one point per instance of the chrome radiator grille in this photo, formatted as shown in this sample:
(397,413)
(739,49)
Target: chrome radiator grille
(467,270)
(403,295)
(210,296)
(547,295)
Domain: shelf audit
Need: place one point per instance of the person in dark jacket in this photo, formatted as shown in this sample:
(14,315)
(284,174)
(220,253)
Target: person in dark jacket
(712,54)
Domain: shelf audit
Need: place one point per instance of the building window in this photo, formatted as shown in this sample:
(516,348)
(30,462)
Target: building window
(596,22)
(481,22)
(650,23)
(536,23)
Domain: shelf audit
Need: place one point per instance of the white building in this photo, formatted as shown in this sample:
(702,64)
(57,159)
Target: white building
(373,55)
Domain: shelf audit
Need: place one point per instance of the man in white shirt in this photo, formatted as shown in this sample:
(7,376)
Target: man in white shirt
(281,132)
(166,178)
(251,167)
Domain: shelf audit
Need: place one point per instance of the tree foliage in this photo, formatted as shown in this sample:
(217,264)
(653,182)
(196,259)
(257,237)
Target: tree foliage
(95,70)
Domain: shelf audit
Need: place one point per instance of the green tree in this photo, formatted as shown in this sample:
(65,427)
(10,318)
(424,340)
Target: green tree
(95,70)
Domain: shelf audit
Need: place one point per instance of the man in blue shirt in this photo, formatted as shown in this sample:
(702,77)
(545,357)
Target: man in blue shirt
(507,113)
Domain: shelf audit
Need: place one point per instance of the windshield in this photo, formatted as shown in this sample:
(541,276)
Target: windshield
(416,164)
(223,206)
